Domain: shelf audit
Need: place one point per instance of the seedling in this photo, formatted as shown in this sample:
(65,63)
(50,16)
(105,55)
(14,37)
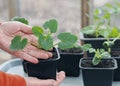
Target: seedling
(98,53)
(102,17)
(109,43)
(45,39)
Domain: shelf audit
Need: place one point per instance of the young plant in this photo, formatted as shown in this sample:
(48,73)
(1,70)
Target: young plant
(98,53)
(109,43)
(45,39)
(102,17)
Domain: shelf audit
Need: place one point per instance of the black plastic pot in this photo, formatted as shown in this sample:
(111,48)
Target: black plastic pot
(45,69)
(117,71)
(69,63)
(94,76)
(115,51)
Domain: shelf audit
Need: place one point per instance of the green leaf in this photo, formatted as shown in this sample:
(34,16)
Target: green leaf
(37,31)
(97,11)
(105,55)
(18,43)
(96,61)
(51,25)
(20,19)
(88,29)
(99,54)
(86,47)
(109,5)
(114,33)
(107,16)
(105,31)
(97,57)
(45,42)
(91,50)
(67,40)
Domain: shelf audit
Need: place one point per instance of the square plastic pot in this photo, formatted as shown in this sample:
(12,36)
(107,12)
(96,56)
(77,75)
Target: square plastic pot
(45,69)
(97,76)
(69,63)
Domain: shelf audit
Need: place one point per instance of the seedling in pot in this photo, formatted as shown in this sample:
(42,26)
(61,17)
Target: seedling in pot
(45,69)
(98,53)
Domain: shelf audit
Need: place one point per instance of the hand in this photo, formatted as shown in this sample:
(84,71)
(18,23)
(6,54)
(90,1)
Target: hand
(31,81)
(9,29)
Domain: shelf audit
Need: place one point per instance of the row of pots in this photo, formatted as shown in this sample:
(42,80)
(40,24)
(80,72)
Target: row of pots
(102,76)
(46,69)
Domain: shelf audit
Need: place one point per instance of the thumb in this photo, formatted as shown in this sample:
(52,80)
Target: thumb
(26,28)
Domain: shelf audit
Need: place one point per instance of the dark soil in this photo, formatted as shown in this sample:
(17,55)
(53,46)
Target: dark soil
(115,53)
(71,50)
(92,36)
(103,64)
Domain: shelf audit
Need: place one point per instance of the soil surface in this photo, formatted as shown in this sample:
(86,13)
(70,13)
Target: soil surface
(71,50)
(102,64)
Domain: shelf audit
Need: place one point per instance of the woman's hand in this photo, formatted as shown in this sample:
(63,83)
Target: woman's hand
(10,29)
(31,81)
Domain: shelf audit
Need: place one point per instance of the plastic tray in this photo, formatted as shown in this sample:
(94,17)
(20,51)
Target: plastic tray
(15,67)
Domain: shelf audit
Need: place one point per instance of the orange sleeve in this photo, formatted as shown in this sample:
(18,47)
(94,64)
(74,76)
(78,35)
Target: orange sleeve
(11,80)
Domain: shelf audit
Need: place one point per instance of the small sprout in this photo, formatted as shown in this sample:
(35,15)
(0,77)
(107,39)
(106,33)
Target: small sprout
(108,44)
(98,53)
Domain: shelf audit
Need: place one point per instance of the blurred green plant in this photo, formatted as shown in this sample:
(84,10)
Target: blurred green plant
(102,17)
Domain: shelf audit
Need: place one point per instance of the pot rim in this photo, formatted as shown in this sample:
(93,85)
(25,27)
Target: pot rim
(81,35)
(92,68)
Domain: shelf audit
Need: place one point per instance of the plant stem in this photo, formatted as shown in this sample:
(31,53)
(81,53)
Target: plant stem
(109,50)
(35,45)
(96,33)
(56,44)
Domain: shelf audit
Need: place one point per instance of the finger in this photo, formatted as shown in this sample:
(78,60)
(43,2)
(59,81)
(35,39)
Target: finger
(38,82)
(38,53)
(48,53)
(13,28)
(34,40)
(26,57)
(26,28)
(60,77)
